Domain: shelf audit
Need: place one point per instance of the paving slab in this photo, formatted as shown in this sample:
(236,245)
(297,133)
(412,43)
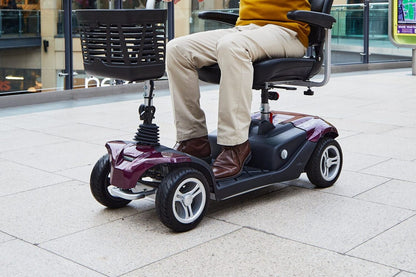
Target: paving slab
(393,168)
(5,127)
(18,139)
(396,247)
(348,184)
(379,115)
(288,229)
(405,274)
(405,132)
(80,173)
(18,258)
(57,156)
(22,178)
(361,126)
(344,134)
(357,161)
(352,183)
(400,103)
(121,115)
(314,217)
(381,145)
(125,245)
(5,237)
(33,122)
(54,211)
(393,193)
(238,254)
(87,133)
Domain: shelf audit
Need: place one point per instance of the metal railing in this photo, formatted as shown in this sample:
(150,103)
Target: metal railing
(19,23)
(60,24)
(361,34)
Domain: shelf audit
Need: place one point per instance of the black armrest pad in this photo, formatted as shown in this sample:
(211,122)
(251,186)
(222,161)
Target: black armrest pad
(224,17)
(313,18)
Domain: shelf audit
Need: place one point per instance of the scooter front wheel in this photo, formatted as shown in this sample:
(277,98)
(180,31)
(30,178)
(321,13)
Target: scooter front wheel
(181,199)
(99,183)
(325,164)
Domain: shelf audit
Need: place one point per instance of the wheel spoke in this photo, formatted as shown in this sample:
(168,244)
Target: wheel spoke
(184,209)
(189,212)
(189,200)
(325,170)
(326,155)
(179,196)
(325,165)
(333,161)
(330,163)
(195,191)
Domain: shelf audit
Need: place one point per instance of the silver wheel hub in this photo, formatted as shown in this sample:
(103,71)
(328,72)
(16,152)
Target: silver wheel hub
(330,163)
(189,200)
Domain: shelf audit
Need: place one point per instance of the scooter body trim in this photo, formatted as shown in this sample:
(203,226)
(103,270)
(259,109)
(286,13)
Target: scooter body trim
(314,126)
(130,160)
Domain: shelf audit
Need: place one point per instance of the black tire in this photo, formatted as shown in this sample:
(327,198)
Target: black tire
(99,182)
(325,164)
(181,199)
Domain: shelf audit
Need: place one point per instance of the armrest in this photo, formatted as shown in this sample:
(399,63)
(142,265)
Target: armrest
(313,18)
(223,17)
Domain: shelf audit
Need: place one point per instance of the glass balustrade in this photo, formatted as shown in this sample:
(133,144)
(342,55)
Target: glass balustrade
(19,23)
(349,40)
(347,33)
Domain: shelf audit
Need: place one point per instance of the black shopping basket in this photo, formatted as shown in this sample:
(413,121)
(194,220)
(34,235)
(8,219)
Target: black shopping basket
(123,44)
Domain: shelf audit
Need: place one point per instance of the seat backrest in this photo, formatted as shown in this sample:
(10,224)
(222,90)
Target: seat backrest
(317,34)
(321,5)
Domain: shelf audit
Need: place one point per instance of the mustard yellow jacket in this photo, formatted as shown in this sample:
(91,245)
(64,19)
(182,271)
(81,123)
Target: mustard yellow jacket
(263,12)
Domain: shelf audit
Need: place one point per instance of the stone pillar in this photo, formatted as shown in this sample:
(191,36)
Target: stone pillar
(49,18)
(182,16)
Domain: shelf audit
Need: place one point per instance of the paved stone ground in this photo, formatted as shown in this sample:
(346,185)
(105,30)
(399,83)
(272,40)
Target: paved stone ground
(364,225)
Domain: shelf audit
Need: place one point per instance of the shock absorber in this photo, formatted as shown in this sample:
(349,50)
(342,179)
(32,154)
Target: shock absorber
(148,132)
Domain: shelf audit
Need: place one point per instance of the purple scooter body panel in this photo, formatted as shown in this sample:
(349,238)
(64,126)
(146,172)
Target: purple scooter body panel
(129,161)
(314,126)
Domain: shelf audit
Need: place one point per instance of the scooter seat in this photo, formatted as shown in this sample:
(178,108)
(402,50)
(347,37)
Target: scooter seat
(273,70)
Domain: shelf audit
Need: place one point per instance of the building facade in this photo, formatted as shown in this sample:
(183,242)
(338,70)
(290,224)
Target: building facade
(32,48)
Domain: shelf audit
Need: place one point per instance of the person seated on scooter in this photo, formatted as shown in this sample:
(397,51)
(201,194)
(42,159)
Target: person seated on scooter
(262,31)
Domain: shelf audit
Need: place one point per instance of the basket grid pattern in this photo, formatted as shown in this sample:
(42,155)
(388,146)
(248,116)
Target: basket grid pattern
(120,44)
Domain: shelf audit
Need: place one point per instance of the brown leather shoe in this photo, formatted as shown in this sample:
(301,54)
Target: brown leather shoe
(231,160)
(197,147)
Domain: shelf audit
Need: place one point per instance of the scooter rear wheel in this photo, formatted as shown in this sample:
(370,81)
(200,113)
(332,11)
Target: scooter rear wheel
(99,183)
(325,164)
(181,199)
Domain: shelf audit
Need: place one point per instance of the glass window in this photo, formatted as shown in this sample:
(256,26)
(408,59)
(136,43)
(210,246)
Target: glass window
(83,4)
(134,4)
(198,25)
(19,81)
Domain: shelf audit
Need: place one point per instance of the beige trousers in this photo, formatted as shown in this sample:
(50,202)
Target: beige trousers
(234,50)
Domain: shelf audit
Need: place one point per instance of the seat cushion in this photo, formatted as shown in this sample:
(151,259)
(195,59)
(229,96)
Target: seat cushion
(282,69)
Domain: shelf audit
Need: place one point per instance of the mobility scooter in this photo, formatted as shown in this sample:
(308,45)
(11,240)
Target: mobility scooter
(130,45)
